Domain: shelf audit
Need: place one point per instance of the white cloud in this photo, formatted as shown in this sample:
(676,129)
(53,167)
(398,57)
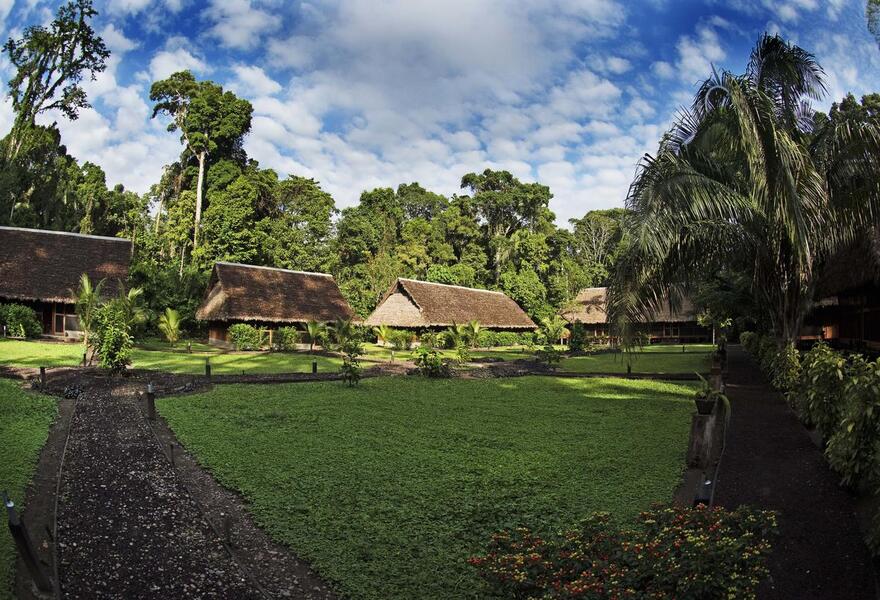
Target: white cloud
(240,24)
(252,80)
(177,55)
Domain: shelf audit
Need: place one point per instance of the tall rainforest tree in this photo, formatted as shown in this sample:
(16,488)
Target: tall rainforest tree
(208,119)
(750,181)
(50,63)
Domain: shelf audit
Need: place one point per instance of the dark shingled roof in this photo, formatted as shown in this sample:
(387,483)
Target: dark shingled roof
(590,304)
(47,265)
(439,305)
(250,293)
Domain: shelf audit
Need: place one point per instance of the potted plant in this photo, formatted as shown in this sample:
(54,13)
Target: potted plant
(706,397)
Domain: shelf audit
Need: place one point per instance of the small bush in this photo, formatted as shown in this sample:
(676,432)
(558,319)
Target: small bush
(401,339)
(550,356)
(487,339)
(683,553)
(506,338)
(288,338)
(749,341)
(430,340)
(20,321)
(528,339)
(784,368)
(854,449)
(352,350)
(246,337)
(430,363)
(579,340)
(818,394)
(112,337)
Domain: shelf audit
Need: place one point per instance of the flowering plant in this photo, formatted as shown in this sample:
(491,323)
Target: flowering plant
(681,553)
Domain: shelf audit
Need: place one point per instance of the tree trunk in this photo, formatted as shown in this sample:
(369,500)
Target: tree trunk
(202,156)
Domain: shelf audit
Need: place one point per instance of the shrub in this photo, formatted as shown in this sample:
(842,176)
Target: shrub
(549,355)
(112,337)
(246,337)
(288,337)
(401,339)
(784,368)
(578,342)
(352,350)
(506,338)
(487,339)
(682,553)
(749,341)
(430,363)
(528,340)
(818,394)
(462,352)
(430,340)
(854,449)
(20,321)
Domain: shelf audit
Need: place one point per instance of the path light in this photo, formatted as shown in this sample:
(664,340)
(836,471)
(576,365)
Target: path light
(314,365)
(704,492)
(208,367)
(42,378)
(26,548)
(151,402)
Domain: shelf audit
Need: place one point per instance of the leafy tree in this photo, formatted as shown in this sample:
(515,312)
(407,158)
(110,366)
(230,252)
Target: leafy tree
(745,181)
(315,332)
(208,119)
(383,333)
(50,63)
(169,325)
(87,302)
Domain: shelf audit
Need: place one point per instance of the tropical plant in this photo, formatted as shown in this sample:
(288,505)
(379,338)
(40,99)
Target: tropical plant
(383,334)
(553,328)
(20,321)
(749,181)
(288,337)
(169,325)
(472,332)
(131,303)
(430,363)
(87,301)
(315,332)
(246,337)
(112,337)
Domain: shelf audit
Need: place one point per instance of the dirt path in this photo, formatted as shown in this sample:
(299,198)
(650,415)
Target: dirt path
(771,463)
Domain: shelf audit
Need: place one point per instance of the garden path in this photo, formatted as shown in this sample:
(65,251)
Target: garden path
(129,525)
(771,463)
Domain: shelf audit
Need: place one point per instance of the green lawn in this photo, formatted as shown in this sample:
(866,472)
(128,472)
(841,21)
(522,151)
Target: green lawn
(25,418)
(642,362)
(388,487)
(152,355)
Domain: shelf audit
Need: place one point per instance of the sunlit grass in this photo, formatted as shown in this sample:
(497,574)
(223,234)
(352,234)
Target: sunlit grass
(388,487)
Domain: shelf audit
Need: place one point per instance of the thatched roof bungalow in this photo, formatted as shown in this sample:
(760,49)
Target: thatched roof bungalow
(590,309)
(847,309)
(415,304)
(41,269)
(268,297)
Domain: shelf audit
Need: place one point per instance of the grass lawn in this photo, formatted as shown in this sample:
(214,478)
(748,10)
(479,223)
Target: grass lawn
(25,418)
(152,355)
(642,362)
(389,487)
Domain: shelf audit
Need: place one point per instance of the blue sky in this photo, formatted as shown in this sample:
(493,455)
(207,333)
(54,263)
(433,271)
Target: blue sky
(367,93)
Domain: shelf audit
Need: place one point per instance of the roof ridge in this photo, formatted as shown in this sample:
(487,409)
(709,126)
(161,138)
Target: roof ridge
(235,264)
(82,235)
(461,287)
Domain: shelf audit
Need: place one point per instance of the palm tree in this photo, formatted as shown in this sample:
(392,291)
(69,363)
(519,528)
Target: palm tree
(130,302)
(458,334)
(169,325)
(87,301)
(315,331)
(383,333)
(342,329)
(553,328)
(472,331)
(747,180)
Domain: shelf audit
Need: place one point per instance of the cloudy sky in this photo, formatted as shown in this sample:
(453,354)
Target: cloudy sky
(367,93)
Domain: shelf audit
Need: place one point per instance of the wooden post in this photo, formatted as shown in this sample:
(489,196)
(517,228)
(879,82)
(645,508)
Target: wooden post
(42,378)
(84,359)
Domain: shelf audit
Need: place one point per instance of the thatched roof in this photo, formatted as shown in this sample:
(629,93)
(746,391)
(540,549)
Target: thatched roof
(854,268)
(589,307)
(40,265)
(239,292)
(411,303)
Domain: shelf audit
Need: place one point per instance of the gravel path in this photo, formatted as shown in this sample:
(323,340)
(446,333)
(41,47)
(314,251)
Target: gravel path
(771,463)
(127,528)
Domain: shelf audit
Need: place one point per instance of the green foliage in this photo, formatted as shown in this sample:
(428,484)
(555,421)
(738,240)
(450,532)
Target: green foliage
(486,339)
(430,363)
(112,337)
(288,338)
(169,325)
(818,396)
(549,355)
(25,419)
(453,460)
(552,329)
(401,339)
(675,552)
(246,337)
(316,333)
(854,448)
(351,347)
(20,321)
(579,340)
(749,341)
(462,352)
